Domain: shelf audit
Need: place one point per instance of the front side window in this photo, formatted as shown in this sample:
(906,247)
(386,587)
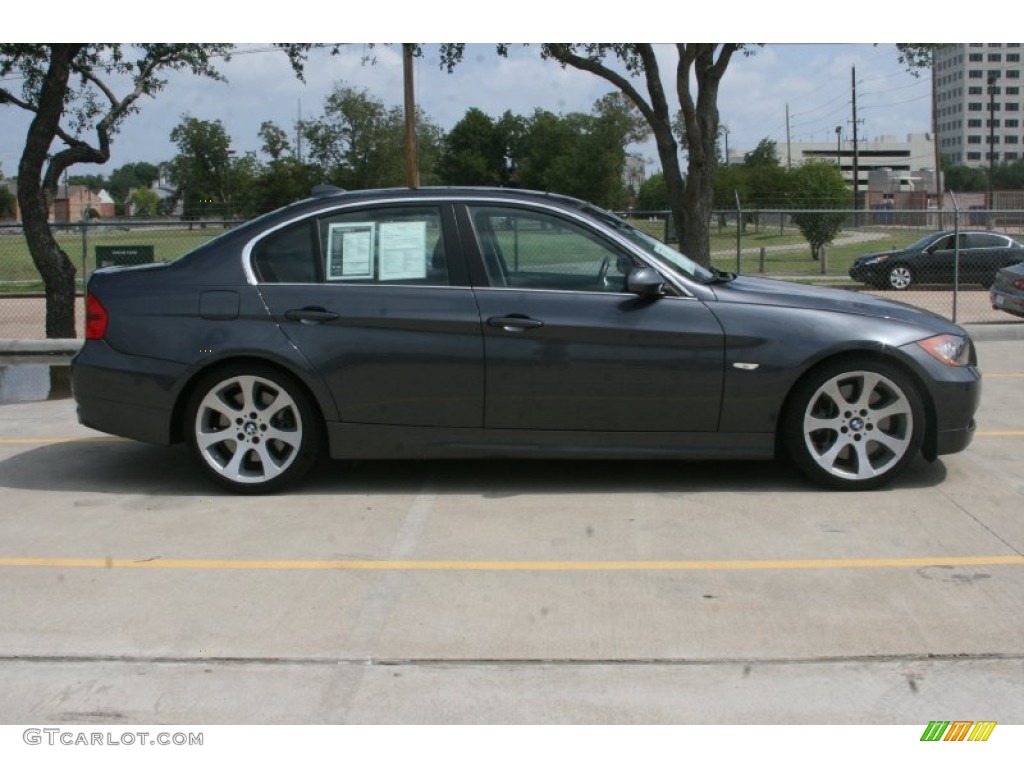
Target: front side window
(524,248)
(396,246)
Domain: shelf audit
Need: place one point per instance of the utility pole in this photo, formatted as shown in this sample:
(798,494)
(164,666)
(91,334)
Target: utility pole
(298,133)
(789,149)
(856,157)
(939,189)
(412,171)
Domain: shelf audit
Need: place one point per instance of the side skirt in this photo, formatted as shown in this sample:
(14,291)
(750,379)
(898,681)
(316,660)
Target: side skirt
(372,441)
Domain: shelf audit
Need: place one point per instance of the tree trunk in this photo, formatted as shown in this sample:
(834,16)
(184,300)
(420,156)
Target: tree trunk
(700,119)
(668,154)
(54,266)
(35,199)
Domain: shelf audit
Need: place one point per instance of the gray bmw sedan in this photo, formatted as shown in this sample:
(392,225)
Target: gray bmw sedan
(495,323)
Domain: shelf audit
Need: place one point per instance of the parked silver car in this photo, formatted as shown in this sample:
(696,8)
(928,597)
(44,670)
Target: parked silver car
(1007,291)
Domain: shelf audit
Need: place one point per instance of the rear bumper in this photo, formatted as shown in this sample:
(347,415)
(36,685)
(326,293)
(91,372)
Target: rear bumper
(124,395)
(1007,302)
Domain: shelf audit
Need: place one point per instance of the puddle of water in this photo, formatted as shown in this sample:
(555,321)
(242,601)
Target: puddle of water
(32,382)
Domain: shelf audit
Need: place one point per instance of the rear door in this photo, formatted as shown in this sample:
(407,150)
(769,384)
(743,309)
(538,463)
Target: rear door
(376,298)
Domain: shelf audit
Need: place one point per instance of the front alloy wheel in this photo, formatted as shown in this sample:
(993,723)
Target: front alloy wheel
(900,277)
(252,430)
(855,426)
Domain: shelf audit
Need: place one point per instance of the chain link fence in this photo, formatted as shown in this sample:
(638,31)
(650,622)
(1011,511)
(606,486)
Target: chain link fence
(89,245)
(946,273)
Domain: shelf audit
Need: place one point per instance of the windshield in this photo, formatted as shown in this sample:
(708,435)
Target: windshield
(670,257)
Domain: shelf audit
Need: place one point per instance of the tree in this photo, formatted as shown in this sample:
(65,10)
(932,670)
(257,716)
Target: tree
(8,203)
(817,187)
(69,89)
(960,178)
(284,179)
(201,169)
(653,194)
(131,176)
(766,153)
(145,203)
(273,140)
(698,72)
(473,152)
(358,141)
(92,181)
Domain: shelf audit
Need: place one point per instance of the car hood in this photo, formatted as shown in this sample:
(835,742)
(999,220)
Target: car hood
(765,291)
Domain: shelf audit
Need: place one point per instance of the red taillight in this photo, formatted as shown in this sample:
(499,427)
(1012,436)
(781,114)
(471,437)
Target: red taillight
(1019,283)
(95,318)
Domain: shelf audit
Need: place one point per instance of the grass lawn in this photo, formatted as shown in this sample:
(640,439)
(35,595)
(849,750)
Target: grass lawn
(18,273)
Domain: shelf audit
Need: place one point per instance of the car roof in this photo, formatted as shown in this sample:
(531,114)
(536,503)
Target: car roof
(336,194)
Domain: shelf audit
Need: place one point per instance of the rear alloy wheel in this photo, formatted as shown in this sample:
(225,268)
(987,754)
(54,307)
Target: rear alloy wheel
(855,425)
(900,277)
(252,429)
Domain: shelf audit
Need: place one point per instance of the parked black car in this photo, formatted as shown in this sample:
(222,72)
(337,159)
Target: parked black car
(491,323)
(1007,292)
(932,259)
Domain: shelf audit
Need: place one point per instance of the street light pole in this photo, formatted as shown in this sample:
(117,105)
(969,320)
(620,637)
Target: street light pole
(992,77)
(839,148)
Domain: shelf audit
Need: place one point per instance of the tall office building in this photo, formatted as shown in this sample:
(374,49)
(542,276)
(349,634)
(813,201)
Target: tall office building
(979,98)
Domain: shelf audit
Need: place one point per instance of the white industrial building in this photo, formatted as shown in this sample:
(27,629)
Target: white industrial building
(908,164)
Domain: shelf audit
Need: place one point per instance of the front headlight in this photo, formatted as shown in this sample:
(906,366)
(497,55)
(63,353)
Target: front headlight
(878,259)
(948,349)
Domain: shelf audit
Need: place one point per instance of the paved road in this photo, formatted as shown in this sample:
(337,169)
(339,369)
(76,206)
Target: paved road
(460,592)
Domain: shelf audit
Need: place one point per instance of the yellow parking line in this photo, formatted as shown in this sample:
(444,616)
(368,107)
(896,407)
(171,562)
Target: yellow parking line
(510,565)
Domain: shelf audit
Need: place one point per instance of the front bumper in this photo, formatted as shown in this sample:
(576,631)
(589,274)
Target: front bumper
(953,397)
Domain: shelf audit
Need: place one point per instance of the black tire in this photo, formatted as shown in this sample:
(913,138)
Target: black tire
(252,428)
(854,424)
(900,277)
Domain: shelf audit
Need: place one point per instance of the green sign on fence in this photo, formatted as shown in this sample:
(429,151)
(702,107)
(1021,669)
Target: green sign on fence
(123,255)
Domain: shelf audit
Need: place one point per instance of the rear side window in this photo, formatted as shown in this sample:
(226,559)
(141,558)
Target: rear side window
(399,245)
(983,240)
(287,256)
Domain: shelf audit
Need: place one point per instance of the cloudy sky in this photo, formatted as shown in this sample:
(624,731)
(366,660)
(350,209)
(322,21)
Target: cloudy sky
(812,79)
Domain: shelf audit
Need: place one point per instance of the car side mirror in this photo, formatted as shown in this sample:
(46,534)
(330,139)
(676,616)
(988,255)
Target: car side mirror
(645,281)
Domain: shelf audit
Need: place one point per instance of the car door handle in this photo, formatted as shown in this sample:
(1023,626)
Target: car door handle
(516,323)
(310,315)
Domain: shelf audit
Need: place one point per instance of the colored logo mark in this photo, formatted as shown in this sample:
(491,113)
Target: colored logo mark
(958,730)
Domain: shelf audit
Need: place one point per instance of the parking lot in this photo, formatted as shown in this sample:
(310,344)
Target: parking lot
(501,592)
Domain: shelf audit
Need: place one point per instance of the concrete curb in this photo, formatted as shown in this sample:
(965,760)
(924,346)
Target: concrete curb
(40,346)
